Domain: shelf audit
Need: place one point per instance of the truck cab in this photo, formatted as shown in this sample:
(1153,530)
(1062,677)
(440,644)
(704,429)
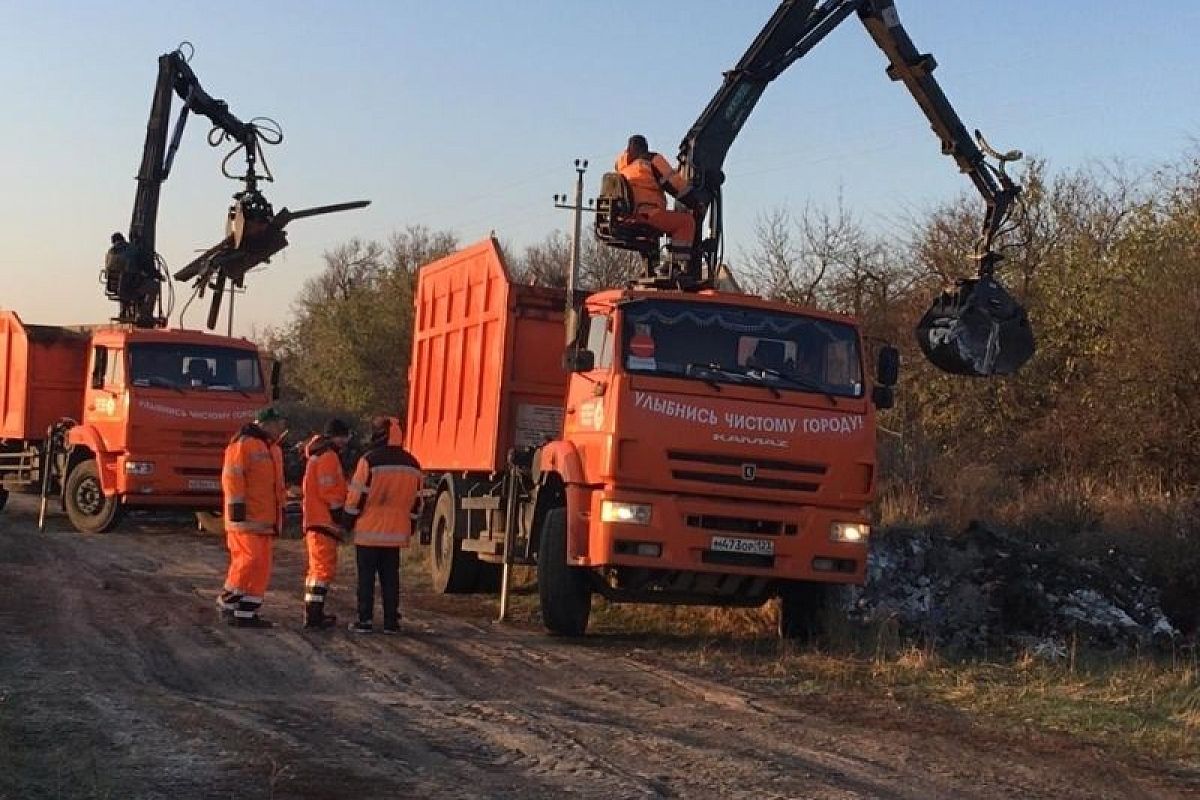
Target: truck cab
(159,407)
(717,430)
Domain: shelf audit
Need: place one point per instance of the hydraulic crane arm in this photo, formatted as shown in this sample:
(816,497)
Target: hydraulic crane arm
(175,76)
(975,328)
(132,273)
(253,231)
(915,70)
(795,28)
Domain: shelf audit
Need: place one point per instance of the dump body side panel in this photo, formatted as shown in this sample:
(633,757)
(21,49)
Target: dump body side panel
(486,370)
(42,376)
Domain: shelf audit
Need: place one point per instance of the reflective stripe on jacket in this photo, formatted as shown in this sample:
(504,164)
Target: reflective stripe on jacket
(253,475)
(646,185)
(324,486)
(382,496)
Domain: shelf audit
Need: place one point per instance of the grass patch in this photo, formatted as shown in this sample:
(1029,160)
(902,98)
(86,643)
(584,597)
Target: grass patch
(1147,706)
(1140,705)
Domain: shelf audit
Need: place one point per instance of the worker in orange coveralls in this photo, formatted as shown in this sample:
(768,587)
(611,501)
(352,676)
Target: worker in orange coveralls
(382,501)
(649,175)
(252,481)
(324,499)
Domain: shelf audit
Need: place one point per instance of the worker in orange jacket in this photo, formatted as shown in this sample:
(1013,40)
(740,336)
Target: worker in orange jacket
(382,501)
(324,490)
(650,175)
(252,481)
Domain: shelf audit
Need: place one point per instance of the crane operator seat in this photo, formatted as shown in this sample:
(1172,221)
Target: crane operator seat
(616,224)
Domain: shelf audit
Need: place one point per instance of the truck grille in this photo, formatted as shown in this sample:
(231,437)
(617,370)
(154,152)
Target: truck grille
(796,476)
(756,527)
(199,440)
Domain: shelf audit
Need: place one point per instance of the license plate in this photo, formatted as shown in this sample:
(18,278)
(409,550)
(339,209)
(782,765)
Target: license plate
(757,547)
(203,485)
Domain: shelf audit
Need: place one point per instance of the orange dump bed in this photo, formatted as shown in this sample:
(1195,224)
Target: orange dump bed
(486,372)
(41,376)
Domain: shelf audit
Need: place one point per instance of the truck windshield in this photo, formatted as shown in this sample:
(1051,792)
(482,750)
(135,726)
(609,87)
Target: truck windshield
(194,367)
(729,344)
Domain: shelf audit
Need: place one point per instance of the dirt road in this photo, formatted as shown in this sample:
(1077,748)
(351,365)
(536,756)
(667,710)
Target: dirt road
(115,682)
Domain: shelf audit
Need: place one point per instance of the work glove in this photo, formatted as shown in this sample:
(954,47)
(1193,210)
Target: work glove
(237,512)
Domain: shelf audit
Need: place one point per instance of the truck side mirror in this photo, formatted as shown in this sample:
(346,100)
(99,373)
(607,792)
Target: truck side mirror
(274,380)
(887,371)
(579,360)
(883,397)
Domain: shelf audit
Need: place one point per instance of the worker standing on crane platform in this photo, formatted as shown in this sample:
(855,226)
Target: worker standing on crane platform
(383,498)
(324,499)
(252,481)
(650,175)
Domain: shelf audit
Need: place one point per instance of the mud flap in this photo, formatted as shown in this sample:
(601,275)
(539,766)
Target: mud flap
(976,328)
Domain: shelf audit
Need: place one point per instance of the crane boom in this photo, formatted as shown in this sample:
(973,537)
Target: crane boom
(973,328)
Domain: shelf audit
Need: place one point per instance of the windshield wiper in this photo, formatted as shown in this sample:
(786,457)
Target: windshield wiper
(796,380)
(743,372)
(699,370)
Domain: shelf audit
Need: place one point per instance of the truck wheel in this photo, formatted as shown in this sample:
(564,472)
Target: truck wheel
(210,522)
(565,591)
(452,570)
(802,610)
(89,510)
(3,497)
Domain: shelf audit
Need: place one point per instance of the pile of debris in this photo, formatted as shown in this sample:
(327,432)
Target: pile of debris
(984,589)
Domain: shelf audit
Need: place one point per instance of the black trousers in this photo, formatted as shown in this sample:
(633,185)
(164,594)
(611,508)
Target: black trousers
(384,562)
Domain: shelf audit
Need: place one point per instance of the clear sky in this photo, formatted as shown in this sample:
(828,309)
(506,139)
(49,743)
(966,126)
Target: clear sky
(467,115)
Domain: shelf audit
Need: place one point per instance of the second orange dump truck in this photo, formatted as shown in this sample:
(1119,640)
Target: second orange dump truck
(689,447)
(115,417)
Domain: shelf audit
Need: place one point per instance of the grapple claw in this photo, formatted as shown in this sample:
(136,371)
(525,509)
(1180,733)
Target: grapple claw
(977,328)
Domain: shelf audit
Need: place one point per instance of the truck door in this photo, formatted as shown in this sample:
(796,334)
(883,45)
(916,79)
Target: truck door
(105,401)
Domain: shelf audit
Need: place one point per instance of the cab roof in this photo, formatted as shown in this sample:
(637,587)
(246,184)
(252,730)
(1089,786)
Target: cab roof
(615,297)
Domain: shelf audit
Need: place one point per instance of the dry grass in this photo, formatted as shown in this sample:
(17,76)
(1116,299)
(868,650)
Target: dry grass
(1149,706)
(1143,705)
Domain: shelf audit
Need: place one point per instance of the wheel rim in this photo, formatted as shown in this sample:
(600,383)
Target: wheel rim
(89,498)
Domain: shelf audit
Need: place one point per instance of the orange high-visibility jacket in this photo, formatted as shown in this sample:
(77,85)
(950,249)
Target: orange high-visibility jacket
(253,475)
(324,486)
(649,176)
(382,495)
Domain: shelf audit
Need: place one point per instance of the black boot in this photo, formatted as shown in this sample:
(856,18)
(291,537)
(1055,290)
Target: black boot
(316,618)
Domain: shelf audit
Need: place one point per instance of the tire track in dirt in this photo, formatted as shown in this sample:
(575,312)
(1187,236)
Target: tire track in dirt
(109,646)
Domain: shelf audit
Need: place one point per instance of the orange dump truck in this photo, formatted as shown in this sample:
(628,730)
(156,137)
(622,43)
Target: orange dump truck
(689,447)
(115,417)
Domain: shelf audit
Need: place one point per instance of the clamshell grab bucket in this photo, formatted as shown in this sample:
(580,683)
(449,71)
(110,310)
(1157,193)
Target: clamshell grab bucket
(976,328)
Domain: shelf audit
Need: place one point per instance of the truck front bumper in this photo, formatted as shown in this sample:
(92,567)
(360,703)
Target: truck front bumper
(723,536)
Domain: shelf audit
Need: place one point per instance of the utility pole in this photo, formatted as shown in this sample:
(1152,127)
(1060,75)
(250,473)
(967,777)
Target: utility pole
(560,201)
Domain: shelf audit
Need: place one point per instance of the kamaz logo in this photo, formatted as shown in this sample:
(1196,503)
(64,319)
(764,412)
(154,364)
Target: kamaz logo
(749,472)
(758,441)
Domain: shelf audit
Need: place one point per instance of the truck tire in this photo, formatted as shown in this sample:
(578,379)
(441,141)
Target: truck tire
(89,510)
(565,591)
(3,497)
(210,522)
(803,607)
(452,570)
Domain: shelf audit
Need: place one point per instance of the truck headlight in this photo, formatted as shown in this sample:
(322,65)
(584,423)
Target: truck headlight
(852,532)
(139,468)
(630,513)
